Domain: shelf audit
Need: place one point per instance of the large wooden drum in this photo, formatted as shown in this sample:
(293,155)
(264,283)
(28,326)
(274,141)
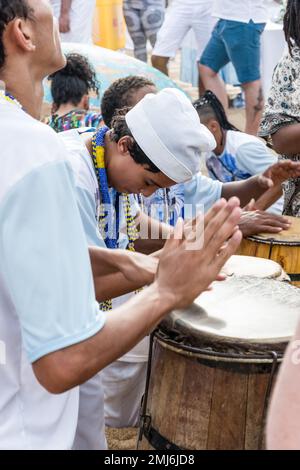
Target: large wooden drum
(284,248)
(212,367)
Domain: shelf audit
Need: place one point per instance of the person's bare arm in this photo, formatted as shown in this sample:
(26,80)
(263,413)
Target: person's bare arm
(118,272)
(173,288)
(255,186)
(268,198)
(152,234)
(64,19)
(287,140)
(283,424)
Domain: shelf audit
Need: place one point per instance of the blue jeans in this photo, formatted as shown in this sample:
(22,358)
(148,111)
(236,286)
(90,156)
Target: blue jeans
(236,42)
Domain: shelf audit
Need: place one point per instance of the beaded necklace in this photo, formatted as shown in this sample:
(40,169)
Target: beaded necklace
(10,98)
(111,239)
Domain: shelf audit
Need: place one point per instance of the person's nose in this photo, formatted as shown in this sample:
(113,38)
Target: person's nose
(147,192)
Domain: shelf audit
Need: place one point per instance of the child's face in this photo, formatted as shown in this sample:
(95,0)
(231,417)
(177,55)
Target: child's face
(216,130)
(127,176)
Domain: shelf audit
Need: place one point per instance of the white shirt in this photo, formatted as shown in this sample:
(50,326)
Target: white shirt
(244,156)
(242,10)
(88,199)
(200,194)
(81,17)
(47,299)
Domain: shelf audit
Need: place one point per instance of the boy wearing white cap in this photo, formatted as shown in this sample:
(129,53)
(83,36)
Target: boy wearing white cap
(118,168)
(138,155)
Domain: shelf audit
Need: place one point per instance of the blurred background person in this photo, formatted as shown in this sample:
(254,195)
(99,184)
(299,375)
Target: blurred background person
(144,19)
(75,18)
(236,38)
(70,89)
(180,18)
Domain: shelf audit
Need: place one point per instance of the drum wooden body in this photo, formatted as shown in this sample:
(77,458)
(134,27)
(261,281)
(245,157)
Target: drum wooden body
(284,248)
(213,367)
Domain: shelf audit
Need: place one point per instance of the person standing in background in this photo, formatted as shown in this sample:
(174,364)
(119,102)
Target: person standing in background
(144,19)
(180,18)
(236,38)
(75,18)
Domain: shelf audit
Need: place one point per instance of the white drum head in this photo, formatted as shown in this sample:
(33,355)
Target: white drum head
(241,266)
(241,311)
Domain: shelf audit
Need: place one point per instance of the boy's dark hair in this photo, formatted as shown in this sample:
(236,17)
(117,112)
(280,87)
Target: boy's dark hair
(120,129)
(76,79)
(9,10)
(119,95)
(291,24)
(210,107)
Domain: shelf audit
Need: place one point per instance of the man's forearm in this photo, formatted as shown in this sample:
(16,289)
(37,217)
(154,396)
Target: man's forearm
(244,190)
(65,7)
(287,140)
(105,262)
(268,198)
(131,322)
(152,234)
(114,285)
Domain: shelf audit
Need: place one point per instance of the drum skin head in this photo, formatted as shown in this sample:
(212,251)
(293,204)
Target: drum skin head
(246,312)
(250,266)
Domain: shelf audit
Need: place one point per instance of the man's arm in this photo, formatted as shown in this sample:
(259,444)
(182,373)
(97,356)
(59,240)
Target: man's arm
(118,272)
(64,19)
(287,140)
(174,288)
(254,187)
(152,234)
(283,425)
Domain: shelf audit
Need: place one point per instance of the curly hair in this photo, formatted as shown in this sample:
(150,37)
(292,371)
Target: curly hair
(120,94)
(75,80)
(120,129)
(9,10)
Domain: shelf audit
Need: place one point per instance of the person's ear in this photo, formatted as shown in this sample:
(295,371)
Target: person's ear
(125,144)
(22,34)
(85,103)
(213,126)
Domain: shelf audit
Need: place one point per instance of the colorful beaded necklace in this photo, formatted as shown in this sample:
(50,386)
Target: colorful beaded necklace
(111,239)
(10,98)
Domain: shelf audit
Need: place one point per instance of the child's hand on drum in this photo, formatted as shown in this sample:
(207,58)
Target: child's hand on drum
(190,263)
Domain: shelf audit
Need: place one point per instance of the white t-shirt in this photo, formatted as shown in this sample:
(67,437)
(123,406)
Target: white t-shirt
(200,194)
(244,11)
(47,299)
(81,16)
(89,205)
(244,156)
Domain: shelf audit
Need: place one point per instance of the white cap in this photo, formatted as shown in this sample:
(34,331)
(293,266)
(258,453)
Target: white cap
(167,128)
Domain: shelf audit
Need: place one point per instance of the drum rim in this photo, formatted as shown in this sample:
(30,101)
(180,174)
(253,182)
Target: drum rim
(264,357)
(272,241)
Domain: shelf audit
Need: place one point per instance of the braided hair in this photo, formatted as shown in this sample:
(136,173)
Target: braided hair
(76,79)
(210,107)
(291,24)
(120,94)
(9,10)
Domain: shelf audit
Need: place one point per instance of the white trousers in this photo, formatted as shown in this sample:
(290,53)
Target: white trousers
(90,433)
(180,18)
(124,386)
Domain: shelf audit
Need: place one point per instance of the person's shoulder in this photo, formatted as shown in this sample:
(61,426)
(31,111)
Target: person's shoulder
(79,159)
(237,139)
